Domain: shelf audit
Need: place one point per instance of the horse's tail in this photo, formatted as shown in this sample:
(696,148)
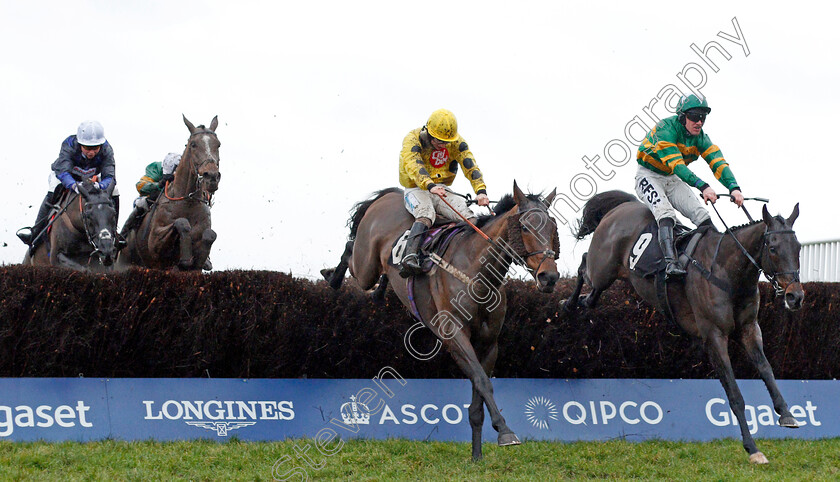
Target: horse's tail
(361,208)
(596,208)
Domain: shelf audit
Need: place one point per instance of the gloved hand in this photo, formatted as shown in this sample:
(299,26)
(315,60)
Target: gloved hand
(96,185)
(75,187)
(166,178)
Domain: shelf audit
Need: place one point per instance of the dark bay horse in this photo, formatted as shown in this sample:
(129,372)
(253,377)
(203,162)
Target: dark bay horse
(713,309)
(464,307)
(85,227)
(176,232)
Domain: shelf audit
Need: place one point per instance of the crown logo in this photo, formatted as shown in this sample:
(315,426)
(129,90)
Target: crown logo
(351,415)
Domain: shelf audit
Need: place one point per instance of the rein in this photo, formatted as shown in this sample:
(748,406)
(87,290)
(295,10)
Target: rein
(771,277)
(517,258)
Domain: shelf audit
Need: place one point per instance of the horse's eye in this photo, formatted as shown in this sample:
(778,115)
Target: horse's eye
(192,144)
(772,250)
(525,229)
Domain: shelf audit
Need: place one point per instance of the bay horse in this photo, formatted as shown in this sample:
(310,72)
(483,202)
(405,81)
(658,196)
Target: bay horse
(714,302)
(85,226)
(176,231)
(520,230)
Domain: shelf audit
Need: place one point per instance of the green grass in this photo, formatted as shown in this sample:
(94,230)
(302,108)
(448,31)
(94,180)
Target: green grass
(407,460)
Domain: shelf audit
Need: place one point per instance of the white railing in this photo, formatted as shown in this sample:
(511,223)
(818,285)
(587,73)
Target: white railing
(820,261)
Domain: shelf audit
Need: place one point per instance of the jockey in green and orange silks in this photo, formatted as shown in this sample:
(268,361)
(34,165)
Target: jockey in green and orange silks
(664,181)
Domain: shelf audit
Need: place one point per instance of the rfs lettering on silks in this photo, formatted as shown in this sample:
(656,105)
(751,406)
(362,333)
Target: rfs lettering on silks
(649,191)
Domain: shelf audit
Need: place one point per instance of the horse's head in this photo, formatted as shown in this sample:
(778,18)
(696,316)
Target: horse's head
(202,153)
(532,232)
(100,220)
(780,257)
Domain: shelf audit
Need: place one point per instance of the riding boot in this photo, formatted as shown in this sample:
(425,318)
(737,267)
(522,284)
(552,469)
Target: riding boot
(133,220)
(410,264)
(40,224)
(666,242)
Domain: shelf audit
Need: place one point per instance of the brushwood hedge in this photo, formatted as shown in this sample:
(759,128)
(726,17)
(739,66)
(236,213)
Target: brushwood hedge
(265,324)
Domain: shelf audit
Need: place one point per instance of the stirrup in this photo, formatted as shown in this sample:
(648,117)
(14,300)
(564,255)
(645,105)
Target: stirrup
(410,269)
(673,270)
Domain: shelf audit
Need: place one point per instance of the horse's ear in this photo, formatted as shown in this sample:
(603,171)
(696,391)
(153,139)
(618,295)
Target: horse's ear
(214,123)
(765,215)
(518,195)
(550,198)
(83,188)
(793,215)
(189,124)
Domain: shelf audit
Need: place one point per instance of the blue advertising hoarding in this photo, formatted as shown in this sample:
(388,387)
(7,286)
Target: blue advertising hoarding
(386,406)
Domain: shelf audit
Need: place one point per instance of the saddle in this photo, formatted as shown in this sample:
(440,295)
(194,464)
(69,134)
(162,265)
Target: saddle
(646,258)
(435,240)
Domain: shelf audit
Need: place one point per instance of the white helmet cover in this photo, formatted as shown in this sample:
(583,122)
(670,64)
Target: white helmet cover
(90,133)
(170,162)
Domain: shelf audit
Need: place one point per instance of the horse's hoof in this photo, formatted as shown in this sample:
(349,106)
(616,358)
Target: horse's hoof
(758,458)
(327,273)
(788,421)
(506,439)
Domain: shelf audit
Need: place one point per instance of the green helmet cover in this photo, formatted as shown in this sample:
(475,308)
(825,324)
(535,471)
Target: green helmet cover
(692,101)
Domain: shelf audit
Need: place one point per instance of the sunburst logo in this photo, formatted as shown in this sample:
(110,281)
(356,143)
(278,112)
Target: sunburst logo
(539,410)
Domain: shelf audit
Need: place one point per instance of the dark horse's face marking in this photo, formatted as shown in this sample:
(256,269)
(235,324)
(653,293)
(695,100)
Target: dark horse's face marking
(780,256)
(203,148)
(100,220)
(539,237)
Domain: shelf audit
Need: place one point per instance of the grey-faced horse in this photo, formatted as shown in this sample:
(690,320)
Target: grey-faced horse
(177,232)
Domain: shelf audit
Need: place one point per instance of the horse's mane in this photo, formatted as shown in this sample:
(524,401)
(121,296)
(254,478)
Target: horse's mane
(745,225)
(777,217)
(360,208)
(505,204)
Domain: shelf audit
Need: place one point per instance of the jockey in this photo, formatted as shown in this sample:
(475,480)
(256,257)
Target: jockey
(429,161)
(150,186)
(664,182)
(83,155)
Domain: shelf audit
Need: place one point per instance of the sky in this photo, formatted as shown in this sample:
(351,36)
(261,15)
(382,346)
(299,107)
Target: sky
(314,99)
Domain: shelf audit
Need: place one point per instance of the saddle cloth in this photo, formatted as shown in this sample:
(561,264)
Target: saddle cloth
(435,240)
(646,258)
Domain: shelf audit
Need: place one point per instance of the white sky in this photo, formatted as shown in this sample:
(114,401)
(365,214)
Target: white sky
(314,99)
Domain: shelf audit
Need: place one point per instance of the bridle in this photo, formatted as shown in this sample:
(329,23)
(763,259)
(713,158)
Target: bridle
(772,274)
(91,236)
(521,258)
(205,196)
(519,255)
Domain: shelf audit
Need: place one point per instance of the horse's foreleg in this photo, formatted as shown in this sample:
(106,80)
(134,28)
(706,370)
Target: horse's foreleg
(208,237)
(378,295)
(464,354)
(182,227)
(571,302)
(754,346)
(476,422)
(64,261)
(335,276)
(717,346)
